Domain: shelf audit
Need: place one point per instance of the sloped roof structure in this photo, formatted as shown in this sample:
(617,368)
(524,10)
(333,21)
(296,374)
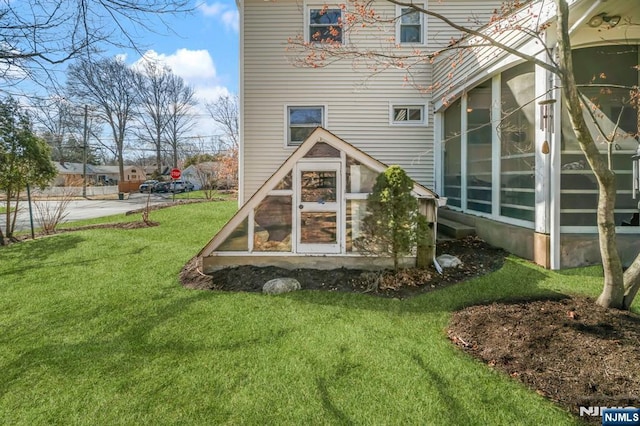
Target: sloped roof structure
(266,230)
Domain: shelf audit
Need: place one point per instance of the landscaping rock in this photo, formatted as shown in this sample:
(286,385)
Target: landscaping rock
(448,261)
(281,285)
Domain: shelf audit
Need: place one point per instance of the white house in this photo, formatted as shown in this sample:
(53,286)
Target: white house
(491,141)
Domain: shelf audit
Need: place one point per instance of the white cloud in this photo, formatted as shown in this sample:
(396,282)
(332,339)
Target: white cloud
(226,13)
(198,70)
(194,66)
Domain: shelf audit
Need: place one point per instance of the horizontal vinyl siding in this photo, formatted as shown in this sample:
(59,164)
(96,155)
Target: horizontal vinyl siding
(358,104)
(477,63)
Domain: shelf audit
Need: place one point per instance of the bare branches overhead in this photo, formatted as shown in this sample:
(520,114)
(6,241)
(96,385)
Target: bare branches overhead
(36,35)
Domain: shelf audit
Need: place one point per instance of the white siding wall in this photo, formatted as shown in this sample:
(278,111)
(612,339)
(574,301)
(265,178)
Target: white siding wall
(357,102)
(480,63)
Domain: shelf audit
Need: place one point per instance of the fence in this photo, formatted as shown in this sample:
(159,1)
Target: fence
(129,186)
(59,191)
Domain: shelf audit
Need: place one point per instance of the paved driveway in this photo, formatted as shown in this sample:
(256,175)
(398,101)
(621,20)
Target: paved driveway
(87,209)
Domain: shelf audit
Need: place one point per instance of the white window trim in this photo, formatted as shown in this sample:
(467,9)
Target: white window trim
(307,11)
(325,110)
(423,23)
(410,104)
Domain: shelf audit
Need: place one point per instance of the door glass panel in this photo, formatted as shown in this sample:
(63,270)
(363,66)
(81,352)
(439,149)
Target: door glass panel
(318,227)
(318,187)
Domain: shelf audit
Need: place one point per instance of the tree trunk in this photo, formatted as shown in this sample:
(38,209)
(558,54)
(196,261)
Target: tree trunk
(613,291)
(15,216)
(631,282)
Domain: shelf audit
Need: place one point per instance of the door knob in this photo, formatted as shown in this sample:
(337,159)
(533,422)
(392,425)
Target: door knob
(301,207)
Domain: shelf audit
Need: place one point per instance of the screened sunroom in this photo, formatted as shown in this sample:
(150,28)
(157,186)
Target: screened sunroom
(510,160)
(308,213)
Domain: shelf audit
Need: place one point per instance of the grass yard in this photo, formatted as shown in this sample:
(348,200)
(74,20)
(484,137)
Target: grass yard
(96,329)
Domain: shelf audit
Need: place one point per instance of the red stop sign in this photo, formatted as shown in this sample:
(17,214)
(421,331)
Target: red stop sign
(175,173)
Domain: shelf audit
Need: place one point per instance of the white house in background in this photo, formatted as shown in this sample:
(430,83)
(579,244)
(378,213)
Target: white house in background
(498,149)
(201,174)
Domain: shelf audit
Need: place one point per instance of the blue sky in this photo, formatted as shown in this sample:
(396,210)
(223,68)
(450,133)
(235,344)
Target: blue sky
(202,48)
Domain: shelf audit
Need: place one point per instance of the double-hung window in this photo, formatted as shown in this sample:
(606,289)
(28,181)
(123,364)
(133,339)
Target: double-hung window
(301,121)
(325,25)
(410,26)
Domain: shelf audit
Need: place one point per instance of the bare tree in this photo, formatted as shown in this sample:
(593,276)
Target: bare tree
(619,287)
(224,111)
(53,117)
(110,86)
(36,34)
(181,99)
(155,106)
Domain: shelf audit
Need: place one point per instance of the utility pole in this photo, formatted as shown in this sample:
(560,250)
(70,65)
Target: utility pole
(84,153)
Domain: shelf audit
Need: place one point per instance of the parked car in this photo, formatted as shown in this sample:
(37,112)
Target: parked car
(148,185)
(180,186)
(162,187)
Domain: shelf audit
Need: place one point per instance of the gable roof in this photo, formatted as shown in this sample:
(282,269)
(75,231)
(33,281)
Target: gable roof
(317,136)
(66,168)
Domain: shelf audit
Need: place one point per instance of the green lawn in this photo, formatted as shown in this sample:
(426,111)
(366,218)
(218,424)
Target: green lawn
(96,329)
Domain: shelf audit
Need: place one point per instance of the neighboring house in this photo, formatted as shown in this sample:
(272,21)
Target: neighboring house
(209,174)
(492,140)
(71,174)
(131,173)
(201,175)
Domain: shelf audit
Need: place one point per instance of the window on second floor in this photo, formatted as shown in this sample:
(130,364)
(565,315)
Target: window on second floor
(325,25)
(410,26)
(301,121)
(407,114)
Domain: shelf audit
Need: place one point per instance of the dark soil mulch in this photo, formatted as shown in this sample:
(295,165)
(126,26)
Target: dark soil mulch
(571,351)
(478,258)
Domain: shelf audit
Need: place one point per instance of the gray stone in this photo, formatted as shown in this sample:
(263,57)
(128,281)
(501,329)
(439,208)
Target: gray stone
(280,285)
(448,261)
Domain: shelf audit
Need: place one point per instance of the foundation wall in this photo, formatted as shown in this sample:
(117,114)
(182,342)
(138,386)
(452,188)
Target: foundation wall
(575,249)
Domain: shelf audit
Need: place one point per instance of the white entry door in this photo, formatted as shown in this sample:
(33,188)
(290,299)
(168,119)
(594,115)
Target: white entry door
(318,213)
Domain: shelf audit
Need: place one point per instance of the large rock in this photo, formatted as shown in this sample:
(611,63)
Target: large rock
(280,285)
(448,261)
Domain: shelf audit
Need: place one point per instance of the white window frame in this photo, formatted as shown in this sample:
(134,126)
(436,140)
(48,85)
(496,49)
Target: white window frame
(423,26)
(307,21)
(287,134)
(408,105)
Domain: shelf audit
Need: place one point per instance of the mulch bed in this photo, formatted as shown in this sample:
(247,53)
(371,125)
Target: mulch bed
(571,350)
(478,258)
